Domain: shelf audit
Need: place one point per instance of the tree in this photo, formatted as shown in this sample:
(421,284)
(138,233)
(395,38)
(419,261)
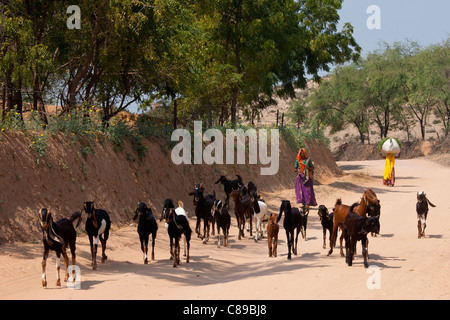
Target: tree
(341,100)
(385,71)
(267,44)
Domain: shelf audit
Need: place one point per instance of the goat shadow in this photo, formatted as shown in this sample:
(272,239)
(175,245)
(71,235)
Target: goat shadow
(197,272)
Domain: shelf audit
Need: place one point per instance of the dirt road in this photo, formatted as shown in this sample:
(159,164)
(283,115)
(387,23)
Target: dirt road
(402,266)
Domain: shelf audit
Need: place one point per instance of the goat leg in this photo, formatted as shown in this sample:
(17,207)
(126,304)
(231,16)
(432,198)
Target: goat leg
(270,246)
(340,243)
(66,263)
(94,256)
(44,264)
(93,252)
(275,246)
(153,245)
(333,237)
(173,249)
(74,264)
(58,268)
(218,237)
(104,256)
(188,246)
(296,242)
(364,252)
(289,243)
(419,227)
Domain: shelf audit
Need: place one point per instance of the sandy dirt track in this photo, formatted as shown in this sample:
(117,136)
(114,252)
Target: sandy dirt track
(409,268)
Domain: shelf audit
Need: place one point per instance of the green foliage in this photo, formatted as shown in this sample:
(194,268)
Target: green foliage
(39,144)
(392,87)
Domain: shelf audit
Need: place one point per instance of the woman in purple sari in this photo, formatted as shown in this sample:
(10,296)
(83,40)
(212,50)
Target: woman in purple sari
(304,182)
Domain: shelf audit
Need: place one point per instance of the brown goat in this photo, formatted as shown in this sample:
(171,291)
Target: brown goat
(340,213)
(243,207)
(272,234)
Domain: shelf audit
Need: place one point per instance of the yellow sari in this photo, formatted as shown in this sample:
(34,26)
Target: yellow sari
(388,178)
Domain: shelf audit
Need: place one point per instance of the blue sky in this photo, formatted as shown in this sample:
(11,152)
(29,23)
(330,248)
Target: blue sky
(424,21)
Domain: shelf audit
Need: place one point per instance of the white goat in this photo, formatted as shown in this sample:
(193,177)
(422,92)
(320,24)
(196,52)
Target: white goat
(260,213)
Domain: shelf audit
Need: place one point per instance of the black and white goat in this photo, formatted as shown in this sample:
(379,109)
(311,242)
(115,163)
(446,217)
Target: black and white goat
(177,224)
(57,236)
(260,213)
(422,213)
(146,225)
(222,219)
(97,227)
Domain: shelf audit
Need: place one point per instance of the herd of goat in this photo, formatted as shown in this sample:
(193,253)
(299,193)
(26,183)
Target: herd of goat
(355,222)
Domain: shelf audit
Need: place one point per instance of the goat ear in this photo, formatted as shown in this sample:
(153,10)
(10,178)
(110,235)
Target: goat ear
(191,193)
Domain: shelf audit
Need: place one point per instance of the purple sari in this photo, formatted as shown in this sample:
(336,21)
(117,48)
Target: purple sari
(305,192)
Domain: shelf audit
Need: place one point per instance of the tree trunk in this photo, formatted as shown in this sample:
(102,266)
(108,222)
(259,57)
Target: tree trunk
(234,105)
(175,111)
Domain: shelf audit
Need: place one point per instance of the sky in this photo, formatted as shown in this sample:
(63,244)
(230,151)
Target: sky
(424,21)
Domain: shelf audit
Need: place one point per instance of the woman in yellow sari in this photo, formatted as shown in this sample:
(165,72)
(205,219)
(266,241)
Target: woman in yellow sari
(389,172)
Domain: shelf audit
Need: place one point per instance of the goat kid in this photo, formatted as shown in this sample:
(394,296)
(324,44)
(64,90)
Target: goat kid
(97,227)
(272,235)
(326,219)
(146,225)
(222,219)
(57,236)
(422,213)
(356,228)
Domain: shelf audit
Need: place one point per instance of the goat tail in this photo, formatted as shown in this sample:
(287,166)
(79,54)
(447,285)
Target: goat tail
(180,204)
(75,216)
(352,207)
(430,203)
(338,201)
(239,177)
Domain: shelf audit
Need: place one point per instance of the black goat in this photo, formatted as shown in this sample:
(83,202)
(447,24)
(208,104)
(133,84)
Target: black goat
(356,228)
(57,236)
(292,222)
(176,226)
(97,227)
(229,185)
(422,212)
(304,221)
(251,188)
(326,219)
(223,221)
(146,225)
(168,204)
(203,207)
